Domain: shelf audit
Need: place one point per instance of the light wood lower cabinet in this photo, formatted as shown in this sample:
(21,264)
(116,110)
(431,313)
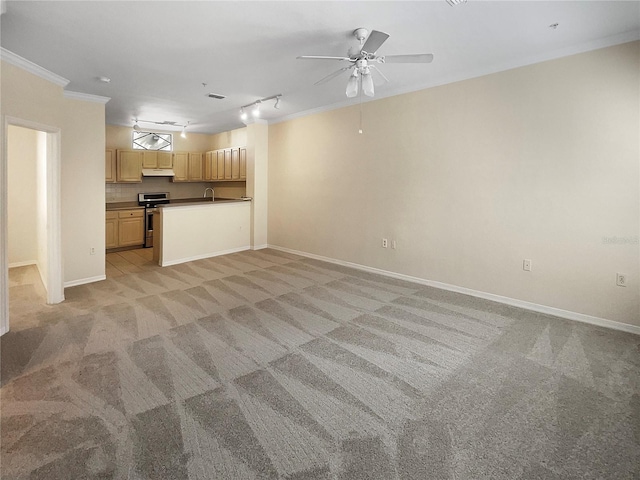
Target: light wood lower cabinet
(111,230)
(124,228)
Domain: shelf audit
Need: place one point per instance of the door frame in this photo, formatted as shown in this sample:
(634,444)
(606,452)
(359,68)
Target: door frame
(55,278)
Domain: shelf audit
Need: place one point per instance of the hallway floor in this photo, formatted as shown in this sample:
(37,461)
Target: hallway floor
(129,261)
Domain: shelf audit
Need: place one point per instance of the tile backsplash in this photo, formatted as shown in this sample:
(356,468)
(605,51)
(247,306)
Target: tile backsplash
(128,192)
(124,192)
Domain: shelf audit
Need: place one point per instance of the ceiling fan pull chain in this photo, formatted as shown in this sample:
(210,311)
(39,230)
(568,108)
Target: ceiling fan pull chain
(360,129)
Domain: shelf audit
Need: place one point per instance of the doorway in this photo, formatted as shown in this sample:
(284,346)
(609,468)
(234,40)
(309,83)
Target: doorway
(30,208)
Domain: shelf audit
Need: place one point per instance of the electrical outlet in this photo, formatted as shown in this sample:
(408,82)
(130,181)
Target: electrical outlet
(393,244)
(92,251)
(385,243)
(621,280)
(526,265)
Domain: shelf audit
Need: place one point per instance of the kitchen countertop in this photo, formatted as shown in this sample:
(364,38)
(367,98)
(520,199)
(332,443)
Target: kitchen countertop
(196,201)
(175,202)
(123,206)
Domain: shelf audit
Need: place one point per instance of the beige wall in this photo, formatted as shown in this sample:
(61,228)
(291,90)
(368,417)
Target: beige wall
(22,151)
(232,138)
(28,97)
(539,162)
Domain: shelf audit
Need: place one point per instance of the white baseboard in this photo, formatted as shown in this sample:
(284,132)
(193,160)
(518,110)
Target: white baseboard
(206,255)
(260,247)
(84,281)
(557,312)
(22,264)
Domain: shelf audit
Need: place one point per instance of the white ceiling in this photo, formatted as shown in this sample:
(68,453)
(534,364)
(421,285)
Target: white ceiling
(158,54)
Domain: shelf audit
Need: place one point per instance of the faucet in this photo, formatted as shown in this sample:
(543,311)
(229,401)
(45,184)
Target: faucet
(205,193)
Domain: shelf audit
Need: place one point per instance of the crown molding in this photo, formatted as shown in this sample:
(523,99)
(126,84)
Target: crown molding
(86,97)
(16,60)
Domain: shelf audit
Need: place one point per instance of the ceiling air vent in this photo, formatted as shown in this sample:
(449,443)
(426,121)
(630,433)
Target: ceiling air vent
(217,96)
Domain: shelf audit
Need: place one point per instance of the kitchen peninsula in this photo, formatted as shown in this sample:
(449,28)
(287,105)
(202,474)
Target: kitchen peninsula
(194,230)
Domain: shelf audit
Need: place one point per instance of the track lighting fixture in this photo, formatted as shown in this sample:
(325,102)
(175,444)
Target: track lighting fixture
(255,106)
(183,134)
(136,127)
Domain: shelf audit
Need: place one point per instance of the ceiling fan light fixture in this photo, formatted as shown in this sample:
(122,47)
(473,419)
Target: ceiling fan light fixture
(352,84)
(367,84)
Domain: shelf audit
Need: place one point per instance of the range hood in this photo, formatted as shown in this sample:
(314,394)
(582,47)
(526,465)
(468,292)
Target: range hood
(158,172)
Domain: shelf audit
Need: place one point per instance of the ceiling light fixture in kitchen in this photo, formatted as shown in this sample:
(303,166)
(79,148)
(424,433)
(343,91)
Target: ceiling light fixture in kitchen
(256,109)
(183,134)
(255,106)
(165,123)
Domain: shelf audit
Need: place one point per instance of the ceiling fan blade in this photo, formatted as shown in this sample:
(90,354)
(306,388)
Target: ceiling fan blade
(331,76)
(374,41)
(384,77)
(416,58)
(321,57)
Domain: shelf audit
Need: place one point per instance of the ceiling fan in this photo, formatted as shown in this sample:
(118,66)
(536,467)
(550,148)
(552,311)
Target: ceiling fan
(362,61)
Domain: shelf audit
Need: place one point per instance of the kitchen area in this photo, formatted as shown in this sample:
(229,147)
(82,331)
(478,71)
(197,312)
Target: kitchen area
(169,206)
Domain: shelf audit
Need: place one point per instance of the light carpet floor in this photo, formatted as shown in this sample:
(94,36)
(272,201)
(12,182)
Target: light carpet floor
(266,365)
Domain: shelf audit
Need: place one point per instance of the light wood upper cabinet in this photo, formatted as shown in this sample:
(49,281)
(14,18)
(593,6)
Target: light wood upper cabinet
(243,163)
(227,164)
(211,166)
(129,166)
(149,159)
(109,166)
(180,166)
(188,167)
(220,155)
(156,159)
(235,164)
(165,160)
(195,171)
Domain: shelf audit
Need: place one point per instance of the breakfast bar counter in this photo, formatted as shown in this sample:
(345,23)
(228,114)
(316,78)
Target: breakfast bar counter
(191,230)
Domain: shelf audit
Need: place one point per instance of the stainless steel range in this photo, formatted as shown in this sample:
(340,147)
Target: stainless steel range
(150,201)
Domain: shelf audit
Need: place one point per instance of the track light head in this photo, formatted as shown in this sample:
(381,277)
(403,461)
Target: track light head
(256,109)
(243,114)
